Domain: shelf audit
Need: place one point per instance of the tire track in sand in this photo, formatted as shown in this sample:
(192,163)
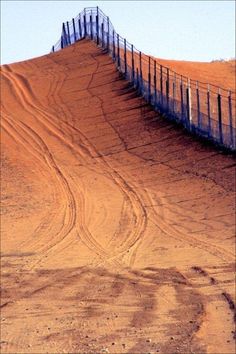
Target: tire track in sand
(173,233)
(84,233)
(140,222)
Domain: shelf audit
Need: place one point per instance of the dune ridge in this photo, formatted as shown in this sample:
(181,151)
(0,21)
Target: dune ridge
(117,227)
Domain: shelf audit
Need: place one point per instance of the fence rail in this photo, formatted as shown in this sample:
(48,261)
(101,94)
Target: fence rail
(202,108)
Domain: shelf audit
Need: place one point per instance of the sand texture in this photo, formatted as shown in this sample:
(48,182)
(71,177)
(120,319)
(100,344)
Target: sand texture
(117,230)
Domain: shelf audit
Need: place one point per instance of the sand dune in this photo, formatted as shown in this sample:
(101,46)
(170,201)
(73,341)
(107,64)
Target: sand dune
(218,73)
(117,227)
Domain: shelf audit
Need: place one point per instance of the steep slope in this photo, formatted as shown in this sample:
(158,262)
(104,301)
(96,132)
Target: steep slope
(117,227)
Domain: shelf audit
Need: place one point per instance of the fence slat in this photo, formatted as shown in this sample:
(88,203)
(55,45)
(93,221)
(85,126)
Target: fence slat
(125,57)
(173,89)
(230,119)
(149,79)
(155,82)
(68,32)
(97,25)
(108,34)
(220,117)
(140,70)
(198,107)
(113,44)
(73,21)
(132,58)
(64,34)
(91,26)
(182,99)
(80,29)
(167,88)
(161,84)
(118,49)
(102,34)
(209,112)
(85,27)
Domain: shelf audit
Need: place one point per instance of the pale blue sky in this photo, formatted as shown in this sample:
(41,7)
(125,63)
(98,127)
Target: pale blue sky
(186,30)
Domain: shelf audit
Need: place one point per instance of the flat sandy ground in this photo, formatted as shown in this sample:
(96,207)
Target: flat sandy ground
(117,227)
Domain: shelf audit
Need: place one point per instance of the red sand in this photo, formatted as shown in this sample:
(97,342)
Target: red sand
(117,228)
(219,73)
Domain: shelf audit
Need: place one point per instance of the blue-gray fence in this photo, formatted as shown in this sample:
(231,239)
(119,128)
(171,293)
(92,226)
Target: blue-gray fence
(204,109)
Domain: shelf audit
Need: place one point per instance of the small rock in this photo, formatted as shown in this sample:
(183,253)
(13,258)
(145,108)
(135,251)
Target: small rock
(148,340)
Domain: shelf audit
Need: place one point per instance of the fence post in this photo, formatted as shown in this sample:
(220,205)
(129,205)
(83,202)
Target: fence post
(167,88)
(73,21)
(118,49)
(132,55)
(85,25)
(174,87)
(68,31)
(97,26)
(108,34)
(141,72)
(80,29)
(189,111)
(64,34)
(125,57)
(138,83)
(91,25)
(190,103)
(230,119)
(161,84)
(198,107)
(220,116)
(53,49)
(149,79)
(155,82)
(62,42)
(182,98)
(113,45)
(209,110)
(102,25)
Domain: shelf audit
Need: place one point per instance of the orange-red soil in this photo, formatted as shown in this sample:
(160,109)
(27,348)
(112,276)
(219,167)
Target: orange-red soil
(117,227)
(218,73)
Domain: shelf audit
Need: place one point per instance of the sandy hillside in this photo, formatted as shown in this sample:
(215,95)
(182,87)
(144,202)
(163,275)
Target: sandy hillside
(218,73)
(117,228)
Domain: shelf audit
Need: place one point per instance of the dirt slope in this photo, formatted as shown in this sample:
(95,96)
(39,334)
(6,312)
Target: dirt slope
(117,228)
(219,73)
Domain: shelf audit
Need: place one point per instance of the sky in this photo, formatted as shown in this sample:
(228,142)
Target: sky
(182,30)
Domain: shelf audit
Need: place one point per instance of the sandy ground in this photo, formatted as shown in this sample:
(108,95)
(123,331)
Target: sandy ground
(117,227)
(219,73)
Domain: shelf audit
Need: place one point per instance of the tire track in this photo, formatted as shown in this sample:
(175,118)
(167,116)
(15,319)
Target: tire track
(91,243)
(120,182)
(173,233)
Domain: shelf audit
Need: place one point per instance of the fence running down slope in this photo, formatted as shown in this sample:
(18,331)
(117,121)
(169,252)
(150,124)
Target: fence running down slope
(201,108)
